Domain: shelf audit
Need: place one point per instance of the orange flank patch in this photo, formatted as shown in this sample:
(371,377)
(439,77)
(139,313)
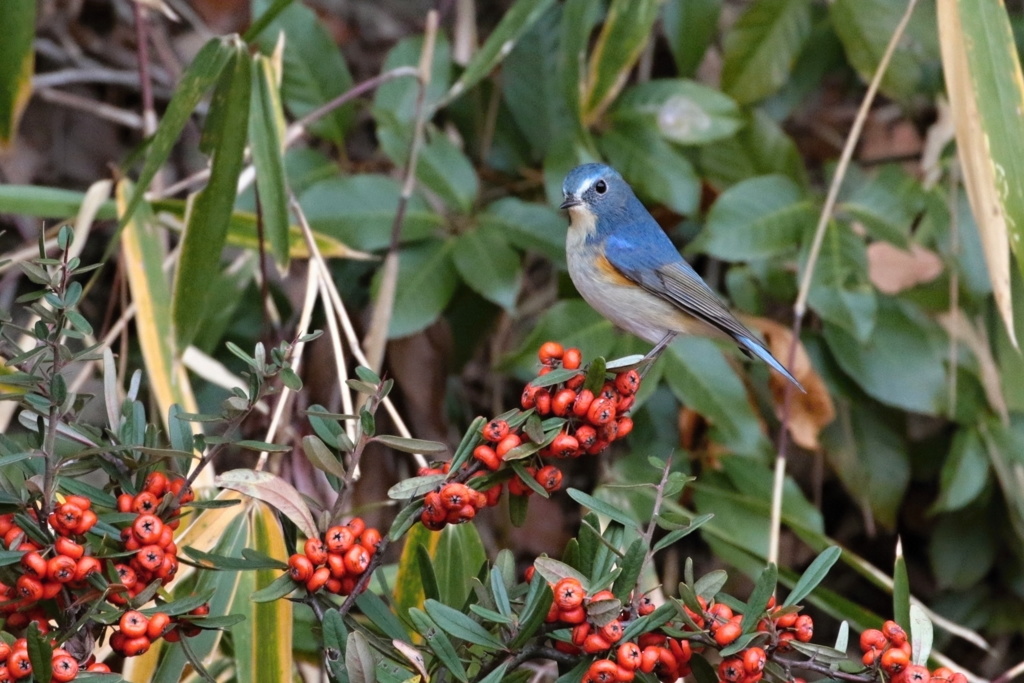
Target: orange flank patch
(611,273)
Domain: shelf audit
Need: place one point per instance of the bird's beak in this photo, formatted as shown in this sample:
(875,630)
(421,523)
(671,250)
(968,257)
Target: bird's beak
(569,203)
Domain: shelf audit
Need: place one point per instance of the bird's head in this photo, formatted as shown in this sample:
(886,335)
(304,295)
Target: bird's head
(595,189)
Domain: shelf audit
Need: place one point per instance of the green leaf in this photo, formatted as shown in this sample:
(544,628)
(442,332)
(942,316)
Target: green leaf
(762,46)
(700,377)
(690,26)
(840,290)
(535,607)
(657,171)
(762,217)
(315,71)
(488,265)
(902,363)
(266,129)
(514,22)
(426,283)
(710,584)
(683,111)
(17,62)
(813,575)
(359,210)
(901,591)
(202,72)
(251,560)
(395,100)
(406,445)
(454,578)
(321,457)
(439,643)
(578,20)
(887,203)
(224,139)
(526,225)
(964,473)
(274,491)
(760,147)
(380,615)
(865,27)
(961,557)
(281,586)
(624,34)
(602,508)
(869,454)
(758,601)
(461,626)
(360,665)
(921,627)
(676,535)
(500,592)
(441,167)
(631,564)
(40,653)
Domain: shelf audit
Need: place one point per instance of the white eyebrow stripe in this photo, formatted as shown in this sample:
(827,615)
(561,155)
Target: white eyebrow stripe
(585,185)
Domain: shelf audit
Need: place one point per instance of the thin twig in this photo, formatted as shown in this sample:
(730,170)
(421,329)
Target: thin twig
(145,86)
(376,337)
(800,307)
(101,110)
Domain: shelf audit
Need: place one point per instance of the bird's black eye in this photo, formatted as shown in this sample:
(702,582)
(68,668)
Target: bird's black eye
(601,186)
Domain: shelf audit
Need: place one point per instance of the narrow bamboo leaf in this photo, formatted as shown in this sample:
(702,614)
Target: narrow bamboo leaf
(758,601)
(461,626)
(224,139)
(266,131)
(500,593)
(202,73)
(254,445)
(439,643)
(601,507)
(626,30)
(274,491)
(921,628)
(514,22)
(986,91)
(321,457)
(406,445)
(262,641)
(762,47)
(554,377)
(901,592)
(143,253)
(314,72)
(17,62)
(813,575)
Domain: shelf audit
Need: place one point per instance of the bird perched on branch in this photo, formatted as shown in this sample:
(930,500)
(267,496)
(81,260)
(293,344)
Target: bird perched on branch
(627,269)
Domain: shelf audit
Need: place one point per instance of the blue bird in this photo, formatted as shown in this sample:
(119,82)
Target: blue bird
(625,266)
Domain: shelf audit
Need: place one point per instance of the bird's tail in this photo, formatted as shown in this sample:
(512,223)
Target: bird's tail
(757,348)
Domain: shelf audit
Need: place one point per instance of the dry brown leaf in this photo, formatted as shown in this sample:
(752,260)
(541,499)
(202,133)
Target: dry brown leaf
(893,270)
(809,412)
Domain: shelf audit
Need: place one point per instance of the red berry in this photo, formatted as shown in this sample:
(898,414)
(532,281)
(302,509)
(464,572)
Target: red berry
(495,430)
(569,593)
(550,351)
(571,359)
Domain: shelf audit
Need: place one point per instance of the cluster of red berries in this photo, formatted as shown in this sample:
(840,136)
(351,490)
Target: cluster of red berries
(666,657)
(136,632)
(595,420)
(15,663)
(592,423)
(890,649)
(337,561)
(787,626)
(47,570)
(150,536)
(56,573)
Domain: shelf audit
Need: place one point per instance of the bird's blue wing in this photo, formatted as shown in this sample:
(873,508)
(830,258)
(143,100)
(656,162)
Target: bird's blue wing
(650,260)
